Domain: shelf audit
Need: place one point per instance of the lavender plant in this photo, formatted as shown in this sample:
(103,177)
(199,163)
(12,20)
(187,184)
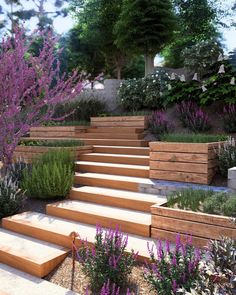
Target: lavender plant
(107,289)
(229,118)
(107,259)
(193,117)
(227,156)
(171,270)
(159,123)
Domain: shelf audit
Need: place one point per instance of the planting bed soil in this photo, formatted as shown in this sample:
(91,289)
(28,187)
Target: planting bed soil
(62,276)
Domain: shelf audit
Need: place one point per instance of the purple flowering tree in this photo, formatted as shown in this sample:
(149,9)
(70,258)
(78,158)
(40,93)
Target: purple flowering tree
(30,87)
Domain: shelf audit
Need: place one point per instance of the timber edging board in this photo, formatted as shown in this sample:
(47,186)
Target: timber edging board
(121,121)
(57,131)
(185,162)
(168,222)
(28,153)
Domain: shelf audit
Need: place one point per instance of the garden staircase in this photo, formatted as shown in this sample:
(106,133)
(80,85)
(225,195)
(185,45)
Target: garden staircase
(106,191)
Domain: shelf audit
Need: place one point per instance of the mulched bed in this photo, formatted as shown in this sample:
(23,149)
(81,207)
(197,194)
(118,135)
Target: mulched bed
(62,276)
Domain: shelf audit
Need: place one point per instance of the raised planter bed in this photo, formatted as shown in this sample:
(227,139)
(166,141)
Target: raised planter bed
(167,222)
(28,153)
(57,131)
(185,162)
(121,121)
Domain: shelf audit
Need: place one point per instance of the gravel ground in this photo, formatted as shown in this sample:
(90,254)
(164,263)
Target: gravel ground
(62,276)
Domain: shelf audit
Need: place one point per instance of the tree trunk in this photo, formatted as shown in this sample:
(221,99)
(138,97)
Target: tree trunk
(118,71)
(149,64)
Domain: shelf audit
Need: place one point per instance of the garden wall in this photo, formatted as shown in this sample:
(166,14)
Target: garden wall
(167,222)
(121,121)
(57,131)
(185,162)
(28,153)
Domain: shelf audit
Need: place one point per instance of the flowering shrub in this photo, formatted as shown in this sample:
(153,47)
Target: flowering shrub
(227,156)
(107,259)
(193,117)
(159,123)
(171,270)
(107,289)
(146,93)
(229,118)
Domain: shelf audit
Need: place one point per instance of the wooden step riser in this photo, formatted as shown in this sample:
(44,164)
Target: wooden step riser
(125,226)
(123,130)
(111,201)
(123,185)
(30,266)
(110,135)
(135,143)
(112,170)
(116,160)
(121,151)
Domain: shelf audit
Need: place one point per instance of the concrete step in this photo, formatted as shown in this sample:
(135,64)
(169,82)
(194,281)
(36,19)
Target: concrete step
(30,255)
(16,282)
(115,135)
(122,130)
(142,151)
(58,230)
(116,158)
(116,198)
(115,169)
(112,181)
(130,221)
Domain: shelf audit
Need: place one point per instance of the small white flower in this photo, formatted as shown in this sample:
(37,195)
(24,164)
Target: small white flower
(195,78)
(232,82)
(182,78)
(220,57)
(221,69)
(204,89)
(169,87)
(172,77)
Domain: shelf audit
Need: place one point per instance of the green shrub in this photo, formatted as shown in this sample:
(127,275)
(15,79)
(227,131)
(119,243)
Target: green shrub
(227,157)
(66,123)
(11,197)
(52,143)
(51,176)
(188,199)
(229,207)
(192,137)
(213,204)
(81,109)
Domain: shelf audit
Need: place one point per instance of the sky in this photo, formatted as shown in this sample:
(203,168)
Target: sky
(62,25)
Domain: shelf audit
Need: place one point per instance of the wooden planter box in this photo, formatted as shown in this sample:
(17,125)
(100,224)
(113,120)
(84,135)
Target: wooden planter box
(168,222)
(28,153)
(118,121)
(185,162)
(57,131)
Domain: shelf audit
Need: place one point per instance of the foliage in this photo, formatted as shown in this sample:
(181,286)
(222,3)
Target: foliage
(188,199)
(229,118)
(171,270)
(193,137)
(197,27)
(81,109)
(52,143)
(11,197)
(229,207)
(51,176)
(193,117)
(14,172)
(107,259)
(30,88)
(67,123)
(227,156)
(213,204)
(146,93)
(107,289)
(232,58)
(145,26)
(159,123)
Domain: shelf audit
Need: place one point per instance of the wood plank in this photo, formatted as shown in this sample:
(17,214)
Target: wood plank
(121,124)
(118,118)
(193,216)
(114,135)
(179,157)
(180,176)
(121,150)
(165,235)
(192,228)
(115,129)
(58,128)
(201,148)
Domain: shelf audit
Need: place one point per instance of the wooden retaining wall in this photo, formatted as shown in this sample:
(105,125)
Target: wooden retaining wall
(167,222)
(57,131)
(28,153)
(185,162)
(119,121)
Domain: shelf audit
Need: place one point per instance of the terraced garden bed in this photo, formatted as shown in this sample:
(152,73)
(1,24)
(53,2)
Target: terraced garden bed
(57,131)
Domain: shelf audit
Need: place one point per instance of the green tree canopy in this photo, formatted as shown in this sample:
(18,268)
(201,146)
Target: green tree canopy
(145,26)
